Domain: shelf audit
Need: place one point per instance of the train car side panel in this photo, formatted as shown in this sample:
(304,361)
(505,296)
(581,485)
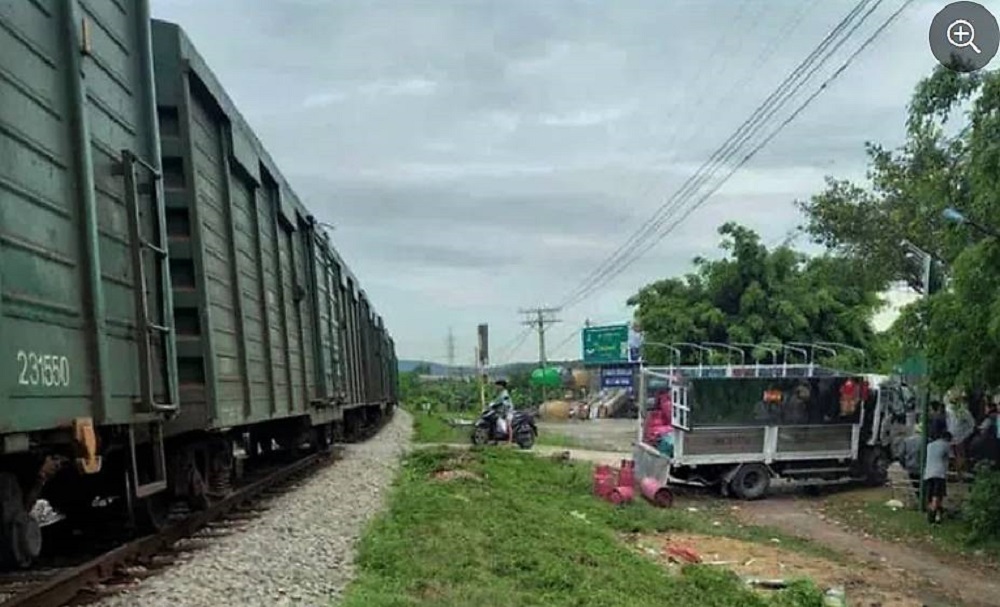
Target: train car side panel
(307,326)
(246,236)
(267,214)
(211,196)
(67,270)
(293,343)
(325,279)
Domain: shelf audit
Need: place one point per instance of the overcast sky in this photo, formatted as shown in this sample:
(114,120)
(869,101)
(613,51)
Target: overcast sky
(482,156)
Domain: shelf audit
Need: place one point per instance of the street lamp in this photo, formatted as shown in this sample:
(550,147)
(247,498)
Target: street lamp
(731,348)
(955,216)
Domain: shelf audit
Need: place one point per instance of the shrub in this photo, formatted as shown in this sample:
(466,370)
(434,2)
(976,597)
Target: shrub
(982,508)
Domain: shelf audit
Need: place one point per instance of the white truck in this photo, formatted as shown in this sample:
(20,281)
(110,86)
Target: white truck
(738,427)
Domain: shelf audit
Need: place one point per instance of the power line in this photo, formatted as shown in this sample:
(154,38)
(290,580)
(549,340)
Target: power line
(750,125)
(616,263)
(567,340)
(783,124)
(726,150)
(511,347)
(776,41)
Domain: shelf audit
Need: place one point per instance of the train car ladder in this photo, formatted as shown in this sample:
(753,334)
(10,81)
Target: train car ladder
(145,327)
(151,478)
(147,476)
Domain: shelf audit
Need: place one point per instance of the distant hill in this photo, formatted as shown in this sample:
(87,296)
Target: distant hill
(406,366)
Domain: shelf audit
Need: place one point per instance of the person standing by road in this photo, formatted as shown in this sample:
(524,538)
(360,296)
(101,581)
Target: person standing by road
(936,475)
(938,420)
(909,455)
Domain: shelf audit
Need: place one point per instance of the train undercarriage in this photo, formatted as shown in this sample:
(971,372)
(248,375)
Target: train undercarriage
(86,480)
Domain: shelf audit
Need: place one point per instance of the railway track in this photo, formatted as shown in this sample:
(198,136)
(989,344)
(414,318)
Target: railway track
(89,581)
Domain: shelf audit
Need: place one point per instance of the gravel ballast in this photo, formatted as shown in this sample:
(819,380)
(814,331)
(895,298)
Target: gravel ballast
(300,552)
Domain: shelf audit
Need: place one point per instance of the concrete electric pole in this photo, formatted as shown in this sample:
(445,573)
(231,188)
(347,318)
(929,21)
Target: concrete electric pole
(540,319)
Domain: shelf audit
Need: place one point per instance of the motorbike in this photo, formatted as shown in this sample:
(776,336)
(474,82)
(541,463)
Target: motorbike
(484,431)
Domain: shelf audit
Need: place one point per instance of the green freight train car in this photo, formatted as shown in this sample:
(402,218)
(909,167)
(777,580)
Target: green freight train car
(85,323)
(169,307)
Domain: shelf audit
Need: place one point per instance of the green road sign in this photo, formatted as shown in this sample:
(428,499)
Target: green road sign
(915,366)
(603,345)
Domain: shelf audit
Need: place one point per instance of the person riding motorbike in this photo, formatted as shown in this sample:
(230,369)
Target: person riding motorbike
(505,411)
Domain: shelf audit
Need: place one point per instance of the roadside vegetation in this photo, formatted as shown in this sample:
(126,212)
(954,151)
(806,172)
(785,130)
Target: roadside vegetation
(973,535)
(495,526)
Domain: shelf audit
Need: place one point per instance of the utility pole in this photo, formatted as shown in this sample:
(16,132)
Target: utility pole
(540,319)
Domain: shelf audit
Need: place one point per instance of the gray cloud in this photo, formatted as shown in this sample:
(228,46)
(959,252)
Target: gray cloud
(478,156)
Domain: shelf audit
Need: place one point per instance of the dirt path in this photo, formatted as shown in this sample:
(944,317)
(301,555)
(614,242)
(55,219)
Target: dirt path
(935,581)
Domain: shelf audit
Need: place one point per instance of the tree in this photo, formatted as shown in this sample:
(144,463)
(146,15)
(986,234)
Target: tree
(754,295)
(940,165)
(422,369)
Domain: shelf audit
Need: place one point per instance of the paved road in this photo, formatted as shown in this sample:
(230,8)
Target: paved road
(598,434)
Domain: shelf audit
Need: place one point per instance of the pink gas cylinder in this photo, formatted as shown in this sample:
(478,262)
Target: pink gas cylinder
(626,477)
(621,495)
(659,495)
(603,480)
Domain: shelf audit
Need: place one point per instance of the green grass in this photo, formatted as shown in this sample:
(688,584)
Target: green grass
(866,510)
(433,428)
(526,531)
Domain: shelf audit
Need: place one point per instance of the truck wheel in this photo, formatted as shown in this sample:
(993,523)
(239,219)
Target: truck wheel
(875,466)
(751,481)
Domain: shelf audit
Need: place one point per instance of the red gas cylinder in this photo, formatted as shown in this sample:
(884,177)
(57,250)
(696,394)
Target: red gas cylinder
(602,480)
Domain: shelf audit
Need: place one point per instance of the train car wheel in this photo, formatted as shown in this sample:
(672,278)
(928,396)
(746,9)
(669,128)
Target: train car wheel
(153,512)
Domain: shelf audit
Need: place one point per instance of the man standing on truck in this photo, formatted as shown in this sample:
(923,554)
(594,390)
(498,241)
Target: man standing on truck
(936,474)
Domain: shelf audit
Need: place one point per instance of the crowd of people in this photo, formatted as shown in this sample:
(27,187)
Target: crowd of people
(961,433)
